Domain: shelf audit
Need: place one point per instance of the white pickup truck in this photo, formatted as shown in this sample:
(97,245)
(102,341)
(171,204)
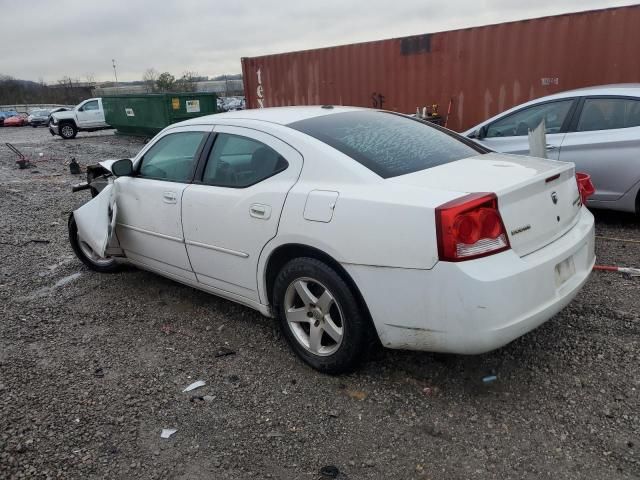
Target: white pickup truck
(87,116)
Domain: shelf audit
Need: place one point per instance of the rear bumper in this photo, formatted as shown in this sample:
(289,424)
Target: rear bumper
(480,305)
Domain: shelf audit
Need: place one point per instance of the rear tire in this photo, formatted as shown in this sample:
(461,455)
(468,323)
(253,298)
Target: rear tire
(86,255)
(68,130)
(320,316)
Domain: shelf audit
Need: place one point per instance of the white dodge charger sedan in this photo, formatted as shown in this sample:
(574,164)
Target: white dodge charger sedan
(348,225)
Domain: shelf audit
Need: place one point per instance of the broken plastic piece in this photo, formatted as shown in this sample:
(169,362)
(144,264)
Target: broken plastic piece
(489,379)
(329,471)
(224,351)
(194,385)
(167,432)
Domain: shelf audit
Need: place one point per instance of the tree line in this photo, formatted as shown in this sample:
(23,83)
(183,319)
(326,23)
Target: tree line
(65,91)
(69,91)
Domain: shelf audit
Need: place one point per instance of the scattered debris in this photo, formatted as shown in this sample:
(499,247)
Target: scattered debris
(633,272)
(334,413)
(74,167)
(36,240)
(427,391)
(208,398)
(234,378)
(98,373)
(487,379)
(194,385)
(23,162)
(356,394)
(196,399)
(167,432)
(330,471)
(224,351)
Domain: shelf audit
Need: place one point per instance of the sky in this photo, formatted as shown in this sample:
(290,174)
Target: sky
(79,39)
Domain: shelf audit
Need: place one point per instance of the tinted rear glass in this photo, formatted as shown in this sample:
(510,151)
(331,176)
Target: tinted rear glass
(387,144)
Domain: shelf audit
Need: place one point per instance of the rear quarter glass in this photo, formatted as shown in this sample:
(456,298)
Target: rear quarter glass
(388,144)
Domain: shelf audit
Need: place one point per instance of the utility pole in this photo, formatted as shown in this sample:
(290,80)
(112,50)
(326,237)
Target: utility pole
(115,74)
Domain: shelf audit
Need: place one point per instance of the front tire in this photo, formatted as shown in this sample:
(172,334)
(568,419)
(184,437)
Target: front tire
(319,316)
(68,130)
(87,255)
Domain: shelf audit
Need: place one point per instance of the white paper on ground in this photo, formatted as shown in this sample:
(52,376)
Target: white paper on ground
(167,432)
(194,385)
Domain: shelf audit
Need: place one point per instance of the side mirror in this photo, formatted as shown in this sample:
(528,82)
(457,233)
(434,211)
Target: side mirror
(122,168)
(481,133)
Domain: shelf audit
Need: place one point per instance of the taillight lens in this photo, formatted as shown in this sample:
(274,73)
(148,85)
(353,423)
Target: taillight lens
(585,186)
(470,227)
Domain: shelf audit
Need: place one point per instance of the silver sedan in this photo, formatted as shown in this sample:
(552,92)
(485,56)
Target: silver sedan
(597,128)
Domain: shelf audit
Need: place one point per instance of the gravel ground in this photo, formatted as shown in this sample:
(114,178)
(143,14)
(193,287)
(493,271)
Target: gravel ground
(92,368)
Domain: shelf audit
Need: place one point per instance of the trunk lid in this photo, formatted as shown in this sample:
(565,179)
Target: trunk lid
(538,199)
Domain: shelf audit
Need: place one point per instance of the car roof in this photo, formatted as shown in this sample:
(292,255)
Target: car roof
(279,115)
(632,89)
(616,89)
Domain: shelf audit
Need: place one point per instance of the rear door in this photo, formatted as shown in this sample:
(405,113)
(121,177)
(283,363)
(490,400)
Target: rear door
(605,143)
(149,225)
(509,134)
(233,208)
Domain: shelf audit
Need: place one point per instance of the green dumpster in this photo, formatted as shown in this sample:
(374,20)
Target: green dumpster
(147,114)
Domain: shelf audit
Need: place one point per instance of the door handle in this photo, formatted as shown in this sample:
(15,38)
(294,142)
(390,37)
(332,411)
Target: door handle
(169,197)
(551,147)
(258,210)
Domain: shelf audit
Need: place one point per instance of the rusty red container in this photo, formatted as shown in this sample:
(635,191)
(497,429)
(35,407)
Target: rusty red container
(479,71)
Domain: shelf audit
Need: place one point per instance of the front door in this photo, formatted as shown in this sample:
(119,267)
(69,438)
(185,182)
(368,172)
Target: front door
(233,210)
(510,134)
(149,225)
(606,145)
(90,115)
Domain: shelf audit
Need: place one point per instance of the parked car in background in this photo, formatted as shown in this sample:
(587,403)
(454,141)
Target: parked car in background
(6,114)
(597,128)
(87,116)
(19,120)
(348,225)
(58,109)
(38,117)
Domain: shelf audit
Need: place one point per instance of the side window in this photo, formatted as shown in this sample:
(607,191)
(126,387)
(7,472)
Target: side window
(519,123)
(93,105)
(609,113)
(172,157)
(239,162)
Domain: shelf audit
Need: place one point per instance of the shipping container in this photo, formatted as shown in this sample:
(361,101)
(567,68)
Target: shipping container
(478,71)
(147,114)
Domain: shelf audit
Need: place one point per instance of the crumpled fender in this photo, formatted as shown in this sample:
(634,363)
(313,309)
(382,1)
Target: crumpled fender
(96,220)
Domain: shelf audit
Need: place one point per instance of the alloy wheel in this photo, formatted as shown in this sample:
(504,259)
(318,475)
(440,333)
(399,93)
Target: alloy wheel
(314,316)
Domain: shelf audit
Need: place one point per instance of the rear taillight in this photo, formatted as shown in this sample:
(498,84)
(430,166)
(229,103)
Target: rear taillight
(585,186)
(470,227)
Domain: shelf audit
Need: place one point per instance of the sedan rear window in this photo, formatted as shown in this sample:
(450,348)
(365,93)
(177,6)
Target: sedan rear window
(387,144)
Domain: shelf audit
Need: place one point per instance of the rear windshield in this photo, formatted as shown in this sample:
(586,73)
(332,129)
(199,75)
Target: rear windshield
(387,144)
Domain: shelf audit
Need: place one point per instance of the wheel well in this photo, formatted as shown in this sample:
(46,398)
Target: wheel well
(284,253)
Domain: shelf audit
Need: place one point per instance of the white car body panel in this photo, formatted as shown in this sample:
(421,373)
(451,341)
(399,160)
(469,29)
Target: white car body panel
(94,221)
(149,226)
(476,306)
(380,231)
(611,157)
(225,229)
